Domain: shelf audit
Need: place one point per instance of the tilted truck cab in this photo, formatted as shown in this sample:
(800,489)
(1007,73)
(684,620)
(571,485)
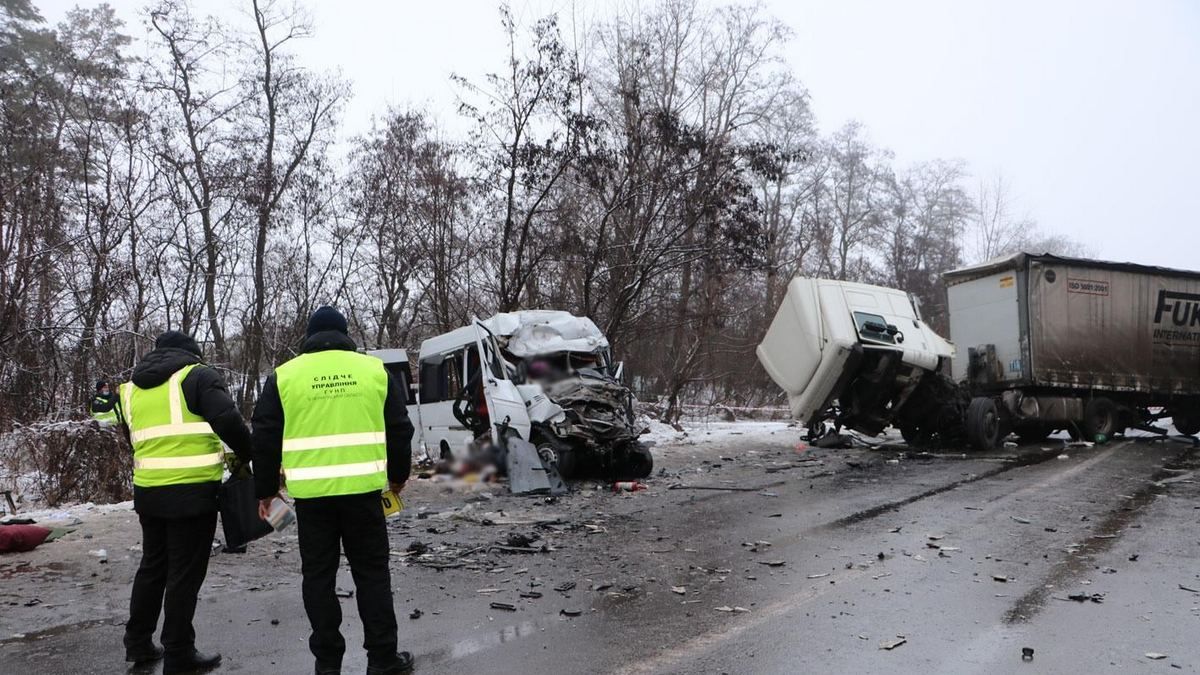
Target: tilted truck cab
(860,356)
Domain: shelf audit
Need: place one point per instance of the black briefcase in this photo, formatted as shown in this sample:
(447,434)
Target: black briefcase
(239,513)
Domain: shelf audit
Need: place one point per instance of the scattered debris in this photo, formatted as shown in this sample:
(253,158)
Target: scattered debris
(818,576)
(727,608)
(1023,521)
(1087,597)
(415,614)
(504,606)
(531,595)
(343,593)
(1134,557)
(1026,653)
(1000,577)
(772,563)
(1155,656)
(892,644)
(570,612)
(628,486)
(1188,589)
(564,587)
(724,488)
(679,590)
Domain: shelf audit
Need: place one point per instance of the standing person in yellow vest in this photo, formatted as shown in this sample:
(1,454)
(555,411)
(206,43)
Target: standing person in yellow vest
(177,412)
(336,421)
(104,403)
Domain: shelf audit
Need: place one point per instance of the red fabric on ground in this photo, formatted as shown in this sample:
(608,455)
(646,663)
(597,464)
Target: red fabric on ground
(20,538)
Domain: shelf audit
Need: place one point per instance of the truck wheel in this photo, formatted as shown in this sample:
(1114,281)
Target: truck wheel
(1187,422)
(1100,418)
(983,423)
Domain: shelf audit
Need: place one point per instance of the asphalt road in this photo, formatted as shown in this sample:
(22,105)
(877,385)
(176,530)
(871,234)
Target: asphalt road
(814,563)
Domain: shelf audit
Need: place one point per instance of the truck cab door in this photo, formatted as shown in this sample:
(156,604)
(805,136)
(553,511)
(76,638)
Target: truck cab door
(504,401)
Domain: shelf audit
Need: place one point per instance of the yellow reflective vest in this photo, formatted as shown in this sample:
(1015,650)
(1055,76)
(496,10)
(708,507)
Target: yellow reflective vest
(333,424)
(171,444)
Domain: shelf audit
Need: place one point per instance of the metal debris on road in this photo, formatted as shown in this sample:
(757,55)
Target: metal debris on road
(1026,653)
(570,612)
(415,614)
(1023,521)
(1155,656)
(564,587)
(1000,577)
(818,576)
(772,563)
(343,593)
(504,606)
(892,644)
(679,590)
(727,608)
(1188,589)
(1087,597)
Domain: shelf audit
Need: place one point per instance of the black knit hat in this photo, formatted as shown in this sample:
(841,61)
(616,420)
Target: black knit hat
(326,318)
(178,340)
(101,384)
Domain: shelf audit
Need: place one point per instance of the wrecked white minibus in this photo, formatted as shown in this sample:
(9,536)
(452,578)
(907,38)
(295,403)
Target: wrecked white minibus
(545,376)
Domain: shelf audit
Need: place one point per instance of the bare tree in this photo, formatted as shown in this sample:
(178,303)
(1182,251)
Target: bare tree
(290,110)
(194,141)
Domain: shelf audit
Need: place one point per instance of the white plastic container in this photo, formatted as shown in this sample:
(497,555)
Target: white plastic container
(281,515)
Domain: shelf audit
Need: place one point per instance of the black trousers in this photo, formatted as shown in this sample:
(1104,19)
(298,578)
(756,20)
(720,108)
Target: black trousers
(355,522)
(174,563)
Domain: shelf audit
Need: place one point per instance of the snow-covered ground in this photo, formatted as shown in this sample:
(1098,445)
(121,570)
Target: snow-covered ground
(668,439)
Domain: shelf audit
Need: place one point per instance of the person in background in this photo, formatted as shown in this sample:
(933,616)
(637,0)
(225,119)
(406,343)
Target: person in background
(177,412)
(104,403)
(336,421)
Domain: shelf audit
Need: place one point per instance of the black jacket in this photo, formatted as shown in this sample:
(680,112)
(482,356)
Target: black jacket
(268,423)
(103,403)
(205,394)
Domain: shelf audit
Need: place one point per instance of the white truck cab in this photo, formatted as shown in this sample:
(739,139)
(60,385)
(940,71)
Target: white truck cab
(860,346)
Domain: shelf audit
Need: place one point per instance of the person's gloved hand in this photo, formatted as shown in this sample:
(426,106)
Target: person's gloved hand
(237,468)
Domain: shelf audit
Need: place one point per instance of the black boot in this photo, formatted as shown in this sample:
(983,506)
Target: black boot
(402,663)
(190,662)
(328,670)
(144,654)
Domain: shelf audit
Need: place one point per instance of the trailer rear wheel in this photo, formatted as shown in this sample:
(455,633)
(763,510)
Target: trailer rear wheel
(1100,418)
(1187,422)
(983,423)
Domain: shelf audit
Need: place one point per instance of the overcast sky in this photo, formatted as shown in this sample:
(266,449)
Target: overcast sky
(1089,109)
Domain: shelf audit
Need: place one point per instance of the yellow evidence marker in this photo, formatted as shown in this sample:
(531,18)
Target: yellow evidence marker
(392,503)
